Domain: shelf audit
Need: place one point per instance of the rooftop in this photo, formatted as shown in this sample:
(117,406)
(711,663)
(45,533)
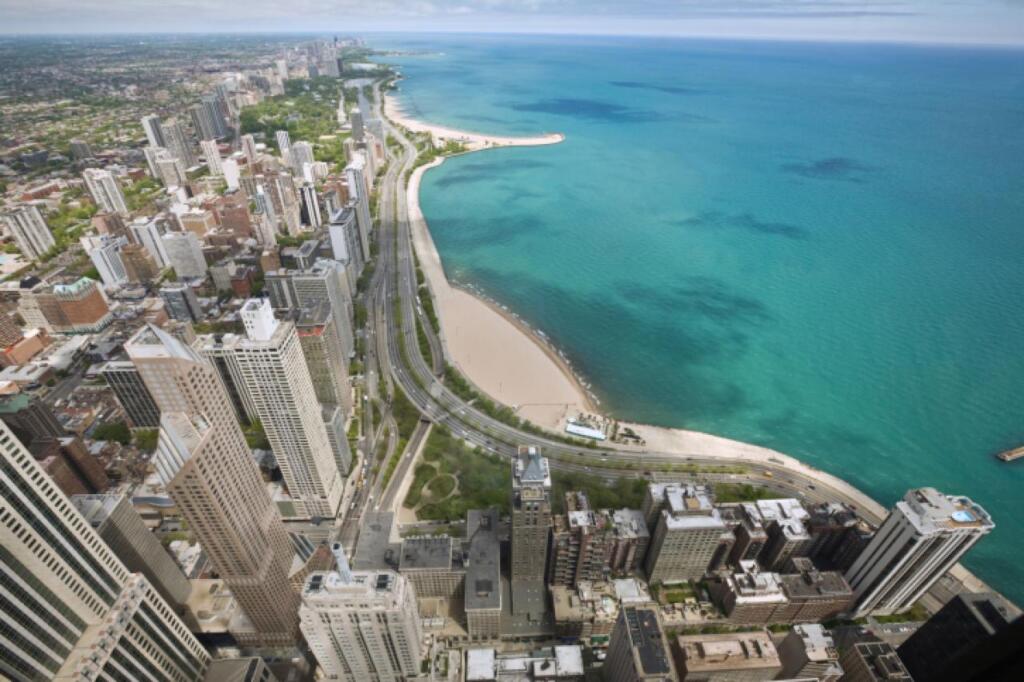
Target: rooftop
(426,552)
(647,640)
(932,512)
(374,549)
(729,651)
(483,563)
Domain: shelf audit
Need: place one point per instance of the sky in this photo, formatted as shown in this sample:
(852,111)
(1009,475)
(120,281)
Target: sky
(930,21)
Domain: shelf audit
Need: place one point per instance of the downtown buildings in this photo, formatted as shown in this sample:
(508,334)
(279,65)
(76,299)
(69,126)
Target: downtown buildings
(531,526)
(203,460)
(30,231)
(71,610)
(268,370)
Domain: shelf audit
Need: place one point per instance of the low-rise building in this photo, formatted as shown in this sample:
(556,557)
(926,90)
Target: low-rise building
(429,564)
(729,657)
(809,651)
(873,662)
(587,610)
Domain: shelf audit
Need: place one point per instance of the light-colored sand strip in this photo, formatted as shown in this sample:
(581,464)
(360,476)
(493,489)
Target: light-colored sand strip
(473,141)
(494,353)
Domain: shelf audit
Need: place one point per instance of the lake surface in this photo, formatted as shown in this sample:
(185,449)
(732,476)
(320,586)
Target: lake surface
(817,248)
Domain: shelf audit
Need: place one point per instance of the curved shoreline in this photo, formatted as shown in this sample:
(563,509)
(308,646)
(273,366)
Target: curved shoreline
(681,442)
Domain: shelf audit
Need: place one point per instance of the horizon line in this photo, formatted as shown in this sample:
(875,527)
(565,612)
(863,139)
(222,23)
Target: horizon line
(829,40)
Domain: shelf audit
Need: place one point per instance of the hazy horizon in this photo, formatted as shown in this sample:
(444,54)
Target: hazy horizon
(969,22)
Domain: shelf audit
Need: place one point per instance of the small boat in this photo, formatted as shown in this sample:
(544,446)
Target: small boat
(1010,455)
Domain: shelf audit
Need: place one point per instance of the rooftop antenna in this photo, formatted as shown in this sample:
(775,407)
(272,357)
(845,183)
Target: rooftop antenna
(343,569)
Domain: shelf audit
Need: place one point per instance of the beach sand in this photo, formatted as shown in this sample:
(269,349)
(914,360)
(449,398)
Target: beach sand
(472,141)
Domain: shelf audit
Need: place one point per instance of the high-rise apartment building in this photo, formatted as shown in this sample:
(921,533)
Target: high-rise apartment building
(249,149)
(638,650)
(302,154)
(345,241)
(81,150)
(139,266)
(105,253)
(78,307)
(326,281)
(31,420)
(284,142)
(120,526)
(921,539)
(362,625)
(325,355)
(581,543)
(311,206)
(531,527)
(179,143)
(123,378)
(359,192)
(962,623)
(686,532)
(154,131)
(30,231)
(148,233)
(71,610)
(181,303)
(268,367)
(211,152)
(185,254)
(105,190)
(208,469)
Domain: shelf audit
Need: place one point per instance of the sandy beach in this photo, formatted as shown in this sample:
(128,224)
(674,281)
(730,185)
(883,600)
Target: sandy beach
(472,141)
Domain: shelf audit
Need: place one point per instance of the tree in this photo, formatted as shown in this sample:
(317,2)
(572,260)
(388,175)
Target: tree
(117,431)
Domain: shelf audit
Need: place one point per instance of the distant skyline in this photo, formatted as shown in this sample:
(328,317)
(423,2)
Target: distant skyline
(929,21)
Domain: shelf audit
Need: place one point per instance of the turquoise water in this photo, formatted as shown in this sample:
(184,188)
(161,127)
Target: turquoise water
(815,248)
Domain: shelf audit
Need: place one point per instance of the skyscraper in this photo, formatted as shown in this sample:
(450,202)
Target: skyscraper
(302,153)
(358,187)
(921,539)
(211,152)
(154,131)
(268,367)
(185,254)
(70,609)
(138,264)
(346,246)
(148,232)
(204,461)
(120,526)
(531,525)
(181,302)
(249,148)
(962,623)
(123,378)
(809,651)
(311,206)
(105,190)
(326,281)
(325,354)
(30,232)
(284,142)
(179,143)
(105,253)
(362,625)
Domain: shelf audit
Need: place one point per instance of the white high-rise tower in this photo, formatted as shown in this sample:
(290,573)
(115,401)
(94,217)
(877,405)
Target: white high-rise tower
(361,625)
(921,539)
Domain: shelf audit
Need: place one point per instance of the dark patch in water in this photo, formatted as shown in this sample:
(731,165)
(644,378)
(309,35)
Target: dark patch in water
(833,168)
(701,297)
(745,221)
(480,171)
(592,109)
(669,89)
(464,235)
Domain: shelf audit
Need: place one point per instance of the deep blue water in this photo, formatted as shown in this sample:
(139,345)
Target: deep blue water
(818,248)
